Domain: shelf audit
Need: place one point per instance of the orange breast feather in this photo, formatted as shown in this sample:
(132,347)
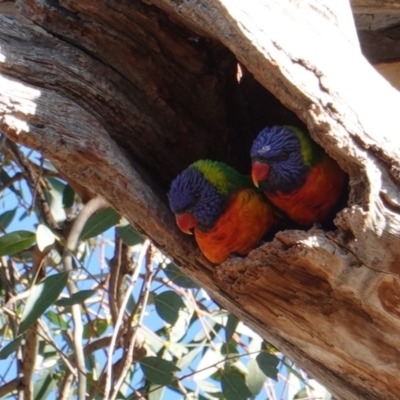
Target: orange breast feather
(239,228)
(316,198)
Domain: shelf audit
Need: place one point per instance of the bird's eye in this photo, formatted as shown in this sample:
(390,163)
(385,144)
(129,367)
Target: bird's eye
(283,156)
(196,195)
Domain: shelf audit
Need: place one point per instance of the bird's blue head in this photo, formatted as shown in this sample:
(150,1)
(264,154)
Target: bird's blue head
(281,157)
(194,200)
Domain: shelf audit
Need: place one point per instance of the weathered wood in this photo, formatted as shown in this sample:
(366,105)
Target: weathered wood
(381,46)
(328,300)
(391,72)
(374,6)
(313,296)
(142,79)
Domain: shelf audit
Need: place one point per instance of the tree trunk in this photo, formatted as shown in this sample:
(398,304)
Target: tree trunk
(122,95)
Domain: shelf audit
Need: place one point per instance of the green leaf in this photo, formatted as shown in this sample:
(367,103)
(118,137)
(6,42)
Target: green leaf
(189,357)
(6,218)
(302,394)
(55,198)
(230,327)
(68,196)
(229,348)
(175,275)
(42,296)
(76,298)
(180,328)
(15,242)
(213,391)
(255,378)
(129,235)
(44,237)
(157,370)
(99,223)
(268,364)
(44,386)
(95,328)
(234,387)
(57,319)
(168,305)
(10,348)
(48,352)
(206,332)
(156,392)
(210,363)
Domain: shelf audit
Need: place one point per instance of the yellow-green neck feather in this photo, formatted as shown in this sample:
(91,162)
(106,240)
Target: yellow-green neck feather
(224,178)
(310,150)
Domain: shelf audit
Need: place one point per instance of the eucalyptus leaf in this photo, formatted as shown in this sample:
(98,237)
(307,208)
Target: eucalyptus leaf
(55,198)
(10,348)
(95,328)
(230,327)
(6,218)
(76,298)
(182,324)
(68,196)
(42,296)
(156,392)
(44,237)
(57,319)
(189,357)
(175,275)
(255,378)
(44,386)
(229,349)
(14,242)
(158,370)
(99,223)
(234,387)
(211,361)
(129,235)
(268,364)
(168,305)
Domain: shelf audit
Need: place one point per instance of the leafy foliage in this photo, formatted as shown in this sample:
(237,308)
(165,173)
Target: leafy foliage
(14,242)
(166,340)
(41,297)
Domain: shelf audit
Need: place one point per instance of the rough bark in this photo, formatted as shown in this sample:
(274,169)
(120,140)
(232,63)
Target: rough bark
(159,79)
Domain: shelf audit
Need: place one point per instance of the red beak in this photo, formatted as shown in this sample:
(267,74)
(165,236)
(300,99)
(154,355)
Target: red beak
(259,172)
(186,222)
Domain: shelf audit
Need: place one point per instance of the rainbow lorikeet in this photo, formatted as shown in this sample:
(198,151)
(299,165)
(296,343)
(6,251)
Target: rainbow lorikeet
(225,211)
(296,174)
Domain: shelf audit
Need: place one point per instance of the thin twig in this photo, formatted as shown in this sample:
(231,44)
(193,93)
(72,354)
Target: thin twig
(68,378)
(65,388)
(143,299)
(32,178)
(31,336)
(38,178)
(97,344)
(9,387)
(95,204)
(117,327)
(115,279)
